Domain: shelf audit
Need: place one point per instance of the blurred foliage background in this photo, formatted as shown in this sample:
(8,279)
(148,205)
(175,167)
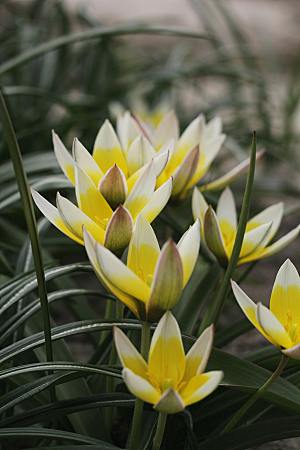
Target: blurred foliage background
(250,81)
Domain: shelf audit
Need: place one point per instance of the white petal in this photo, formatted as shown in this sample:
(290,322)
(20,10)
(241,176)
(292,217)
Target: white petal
(63,157)
(128,354)
(272,326)
(226,210)
(140,387)
(197,357)
(167,130)
(188,247)
(86,162)
(158,201)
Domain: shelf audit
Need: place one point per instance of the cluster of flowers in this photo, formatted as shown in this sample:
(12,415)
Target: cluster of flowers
(120,189)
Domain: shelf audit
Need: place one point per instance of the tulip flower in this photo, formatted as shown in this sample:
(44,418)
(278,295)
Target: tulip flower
(152,280)
(280,324)
(109,210)
(219,229)
(169,380)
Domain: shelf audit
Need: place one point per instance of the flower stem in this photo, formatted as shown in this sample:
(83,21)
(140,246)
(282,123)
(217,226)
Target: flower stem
(160,430)
(236,418)
(134,438)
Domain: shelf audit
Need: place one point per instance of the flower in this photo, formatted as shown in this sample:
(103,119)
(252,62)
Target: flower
(280,324)
(107,208)
(219,229)
(170,380)
(152,280)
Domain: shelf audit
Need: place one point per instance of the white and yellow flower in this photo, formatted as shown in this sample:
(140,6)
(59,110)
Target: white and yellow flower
(219,229)
(169,380)
(107,208)
(280,324)
(152,280)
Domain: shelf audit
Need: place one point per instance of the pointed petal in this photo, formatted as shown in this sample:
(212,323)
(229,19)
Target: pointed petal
(134,305)
(113,187)
(167,130)
(90,200)
(213,236)
(167,282)
(142,191)
(158,201)
(272,327)
(285,298)
(86,162)
(53,215)
(197,357)
(253,241)
(230,176)
(199,205)
(190,138)
(127,129)
(226,213)
(107,149)
(75,219)
(121,276)
(128,354)
(140,153)
(281,243)
(166,342)
(185,171)
(188,248)
(201,386)
(170,402)
(143,250)
(249,308)
(119,230)
(271,214)
(140,387)
(63,157)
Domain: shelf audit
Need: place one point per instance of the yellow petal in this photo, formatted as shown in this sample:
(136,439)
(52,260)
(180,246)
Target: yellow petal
(188,248)
(198,355)
(285,298)
(185,171)
(253,242)
(280,243)
(199,206)
(121,276)
(75,219)
(272,326)
(107,149)
(249,309)
(200,386)
(166,355)
(271,214)
(213,236)
(86,162)
(90,200)
(63,157)
(143,250)
(53,215)
(140,387)
(167,282)
(226,213)
(128,354)
(134,305)
(158,201)
(170,402)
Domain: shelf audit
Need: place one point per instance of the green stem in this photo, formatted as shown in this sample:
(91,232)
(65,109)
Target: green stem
(212,314)
(236,418)
(160,430)
(21,178)
(134,438)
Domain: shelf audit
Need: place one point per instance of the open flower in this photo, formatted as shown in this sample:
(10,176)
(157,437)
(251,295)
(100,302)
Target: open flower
(219,229)
(108,210)
(170,380)
(152,280)
(281,323)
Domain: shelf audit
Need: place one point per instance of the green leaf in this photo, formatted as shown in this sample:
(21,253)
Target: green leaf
(255,434)
(25,432)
